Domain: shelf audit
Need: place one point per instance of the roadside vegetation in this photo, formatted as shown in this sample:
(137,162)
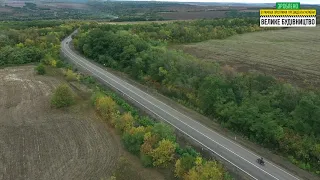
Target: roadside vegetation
(276,115)
(154,142)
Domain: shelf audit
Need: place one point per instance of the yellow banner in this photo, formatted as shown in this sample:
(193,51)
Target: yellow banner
(301,12)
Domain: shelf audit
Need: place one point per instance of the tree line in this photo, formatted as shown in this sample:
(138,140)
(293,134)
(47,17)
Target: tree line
(153,142)
(274,114)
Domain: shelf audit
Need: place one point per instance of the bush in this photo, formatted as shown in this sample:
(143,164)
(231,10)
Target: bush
(87,79)
(145,121)
(40,69)
(70,75)
(59,64)
(164,131)
(62,96)
(95,96)
(146,160)
(187,151)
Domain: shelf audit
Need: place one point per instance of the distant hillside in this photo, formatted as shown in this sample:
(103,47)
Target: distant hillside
(68,1)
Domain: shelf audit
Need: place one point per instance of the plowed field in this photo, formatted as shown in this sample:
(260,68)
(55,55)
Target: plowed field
(291,54)
(39,142)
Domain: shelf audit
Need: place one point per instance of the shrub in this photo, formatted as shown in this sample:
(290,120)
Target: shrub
(40,69)
(188,150)
(59,64)
(70,75)
(145,121)
(62,96)
(164,131)
(146,160)
(95,96)
(87,79)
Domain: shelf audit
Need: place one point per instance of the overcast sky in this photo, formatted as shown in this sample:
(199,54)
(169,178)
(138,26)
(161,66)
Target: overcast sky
(252,1)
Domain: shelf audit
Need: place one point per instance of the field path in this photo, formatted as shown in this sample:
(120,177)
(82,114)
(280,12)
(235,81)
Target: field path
(37,142)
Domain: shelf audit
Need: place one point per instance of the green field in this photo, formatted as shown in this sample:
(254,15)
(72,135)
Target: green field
(291,54)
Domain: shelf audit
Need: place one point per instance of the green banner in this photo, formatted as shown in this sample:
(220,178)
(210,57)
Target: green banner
(288,5)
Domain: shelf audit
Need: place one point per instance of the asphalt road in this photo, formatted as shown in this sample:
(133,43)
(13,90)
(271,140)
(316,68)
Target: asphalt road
(230,151)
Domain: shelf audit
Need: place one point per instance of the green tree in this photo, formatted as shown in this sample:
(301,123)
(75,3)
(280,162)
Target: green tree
(163,131)
(63,96)
(133,139)
(40,69)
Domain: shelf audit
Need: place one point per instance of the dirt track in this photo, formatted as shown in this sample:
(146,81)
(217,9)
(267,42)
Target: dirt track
(37,142)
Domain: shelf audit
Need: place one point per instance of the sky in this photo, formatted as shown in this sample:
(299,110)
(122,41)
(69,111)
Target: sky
(250,1)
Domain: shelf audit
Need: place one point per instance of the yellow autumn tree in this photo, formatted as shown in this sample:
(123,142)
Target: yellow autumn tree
(149,142)
(210,170)
(106,107)
(70,75)
(163,154)
(125,122)
(183,165)
(53,63)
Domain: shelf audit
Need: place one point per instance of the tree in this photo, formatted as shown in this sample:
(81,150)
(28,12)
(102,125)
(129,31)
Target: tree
(40,69)
(214,91)
(125,122)
(308,112)
(145,121)
(149,143)
(183,165)
(210,170)
(164,153)
(164,131)
(62,96)
(106,107)
(133,139)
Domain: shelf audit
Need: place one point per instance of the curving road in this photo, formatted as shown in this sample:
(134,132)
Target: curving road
(233,153)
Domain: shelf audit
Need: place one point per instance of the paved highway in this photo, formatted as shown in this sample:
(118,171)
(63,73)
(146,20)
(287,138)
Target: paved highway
(230,151)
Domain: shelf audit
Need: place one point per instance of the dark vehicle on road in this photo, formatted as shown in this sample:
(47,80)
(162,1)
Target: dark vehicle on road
(260,161)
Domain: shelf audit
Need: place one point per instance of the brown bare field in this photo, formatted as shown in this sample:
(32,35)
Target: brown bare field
(290,54)
(39,142)
(5,10)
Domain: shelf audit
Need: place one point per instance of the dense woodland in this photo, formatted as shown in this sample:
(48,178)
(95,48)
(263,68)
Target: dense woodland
(29,42)
(276,115)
